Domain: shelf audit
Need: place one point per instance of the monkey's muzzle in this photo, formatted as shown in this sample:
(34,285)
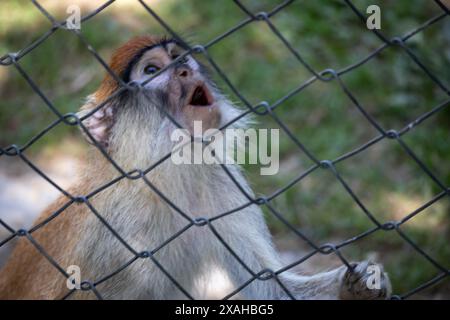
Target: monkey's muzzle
(200,105)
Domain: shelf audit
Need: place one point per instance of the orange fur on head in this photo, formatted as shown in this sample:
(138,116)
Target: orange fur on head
(119,63)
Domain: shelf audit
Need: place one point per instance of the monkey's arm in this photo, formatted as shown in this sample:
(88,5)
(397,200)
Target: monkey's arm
(340,283)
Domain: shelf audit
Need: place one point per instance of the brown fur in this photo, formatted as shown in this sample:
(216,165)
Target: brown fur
(119,63)
(26,261)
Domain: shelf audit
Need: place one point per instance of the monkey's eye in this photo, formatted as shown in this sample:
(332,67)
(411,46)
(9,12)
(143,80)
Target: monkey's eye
(150,69)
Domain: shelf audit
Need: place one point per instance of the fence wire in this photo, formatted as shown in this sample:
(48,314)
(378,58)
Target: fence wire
(260,109)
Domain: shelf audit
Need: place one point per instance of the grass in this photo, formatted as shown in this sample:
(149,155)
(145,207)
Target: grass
(328,35)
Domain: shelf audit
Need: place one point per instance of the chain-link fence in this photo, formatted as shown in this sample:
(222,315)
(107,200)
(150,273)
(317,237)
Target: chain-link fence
(263,108)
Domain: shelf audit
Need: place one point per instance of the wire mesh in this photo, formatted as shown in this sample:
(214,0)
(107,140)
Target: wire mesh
(260,109)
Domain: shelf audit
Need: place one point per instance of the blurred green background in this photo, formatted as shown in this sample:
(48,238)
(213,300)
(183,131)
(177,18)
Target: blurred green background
(328,35)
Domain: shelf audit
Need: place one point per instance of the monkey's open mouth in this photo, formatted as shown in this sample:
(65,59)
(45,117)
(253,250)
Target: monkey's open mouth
(201,97)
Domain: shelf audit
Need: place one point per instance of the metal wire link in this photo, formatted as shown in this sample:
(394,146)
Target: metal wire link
(262,108)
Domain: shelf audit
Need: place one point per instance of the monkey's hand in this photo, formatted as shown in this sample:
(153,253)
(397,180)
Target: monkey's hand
(365,281)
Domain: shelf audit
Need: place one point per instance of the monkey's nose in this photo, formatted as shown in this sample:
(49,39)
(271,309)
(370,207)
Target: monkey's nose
(184,72)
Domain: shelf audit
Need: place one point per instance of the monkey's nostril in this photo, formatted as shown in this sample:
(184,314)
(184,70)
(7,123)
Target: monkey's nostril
(183,72)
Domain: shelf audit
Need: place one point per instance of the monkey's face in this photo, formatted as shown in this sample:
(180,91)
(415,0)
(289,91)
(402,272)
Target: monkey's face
(132,121)
(183,90)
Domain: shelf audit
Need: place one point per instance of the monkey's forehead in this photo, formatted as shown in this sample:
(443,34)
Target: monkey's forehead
(126,56)
(167,44)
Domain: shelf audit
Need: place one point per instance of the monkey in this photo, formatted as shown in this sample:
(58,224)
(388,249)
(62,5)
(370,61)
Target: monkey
(133,129)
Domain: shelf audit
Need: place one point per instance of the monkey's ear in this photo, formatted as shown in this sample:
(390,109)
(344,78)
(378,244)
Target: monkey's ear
(97,124)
